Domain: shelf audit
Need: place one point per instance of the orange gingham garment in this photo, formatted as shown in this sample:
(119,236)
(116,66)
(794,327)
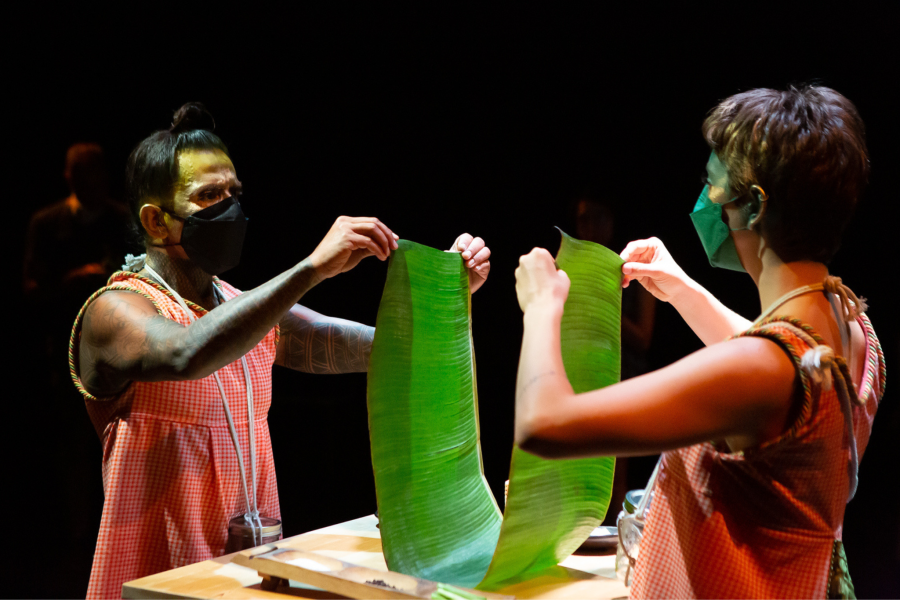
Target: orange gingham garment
(761,524)
(170,473)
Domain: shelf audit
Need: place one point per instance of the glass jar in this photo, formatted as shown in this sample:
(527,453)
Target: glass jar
(240,533)
(630,524)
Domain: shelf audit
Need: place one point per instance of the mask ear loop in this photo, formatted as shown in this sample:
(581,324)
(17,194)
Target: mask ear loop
(172,215)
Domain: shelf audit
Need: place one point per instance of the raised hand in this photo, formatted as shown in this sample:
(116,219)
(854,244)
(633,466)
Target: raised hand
(476,257)
(649,262)
(539,282)
(350,240)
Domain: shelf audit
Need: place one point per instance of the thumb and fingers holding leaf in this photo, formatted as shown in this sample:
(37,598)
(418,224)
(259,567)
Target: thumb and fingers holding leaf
(461,243)
(537,276)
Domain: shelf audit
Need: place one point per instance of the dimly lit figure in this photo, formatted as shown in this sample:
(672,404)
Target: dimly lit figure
(595,222)
(76,242)
(72,246)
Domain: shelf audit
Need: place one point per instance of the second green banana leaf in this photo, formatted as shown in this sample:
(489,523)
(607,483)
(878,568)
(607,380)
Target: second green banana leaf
(554,505)
(438,517)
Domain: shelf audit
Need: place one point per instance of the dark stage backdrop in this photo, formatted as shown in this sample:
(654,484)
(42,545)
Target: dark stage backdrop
(438,125)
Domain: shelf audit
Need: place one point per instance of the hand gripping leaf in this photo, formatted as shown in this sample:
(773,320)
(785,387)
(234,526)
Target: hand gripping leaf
(438,518)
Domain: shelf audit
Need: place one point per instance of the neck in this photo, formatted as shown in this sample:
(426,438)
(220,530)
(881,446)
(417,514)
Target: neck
(190,281)
(777,278)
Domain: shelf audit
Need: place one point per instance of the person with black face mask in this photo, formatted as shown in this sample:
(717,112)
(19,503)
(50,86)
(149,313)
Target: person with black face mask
(175,364)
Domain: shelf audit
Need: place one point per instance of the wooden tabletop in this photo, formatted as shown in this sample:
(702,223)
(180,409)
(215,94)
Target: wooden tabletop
(359,542)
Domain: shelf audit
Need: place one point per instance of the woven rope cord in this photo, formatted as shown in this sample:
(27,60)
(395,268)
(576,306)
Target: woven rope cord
(763,330)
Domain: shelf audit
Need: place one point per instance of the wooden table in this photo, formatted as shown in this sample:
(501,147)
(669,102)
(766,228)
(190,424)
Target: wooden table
(359,542)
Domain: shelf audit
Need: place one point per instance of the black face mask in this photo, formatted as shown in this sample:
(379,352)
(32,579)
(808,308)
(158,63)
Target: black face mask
(214,237)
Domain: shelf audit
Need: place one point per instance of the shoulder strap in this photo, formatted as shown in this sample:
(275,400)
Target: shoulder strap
(113,285)
(875,359)
(779,331)
(826,369)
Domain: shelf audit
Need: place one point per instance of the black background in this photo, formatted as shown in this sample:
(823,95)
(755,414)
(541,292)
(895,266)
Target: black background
(438,122)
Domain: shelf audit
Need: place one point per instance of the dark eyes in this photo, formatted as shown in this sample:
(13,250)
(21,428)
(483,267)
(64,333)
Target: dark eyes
(215,193)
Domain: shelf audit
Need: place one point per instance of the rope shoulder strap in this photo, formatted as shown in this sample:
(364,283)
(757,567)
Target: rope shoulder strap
(778,329)
(116,283)
(819,367)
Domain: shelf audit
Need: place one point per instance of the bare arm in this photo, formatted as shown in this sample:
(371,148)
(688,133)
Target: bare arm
(711,320)
(313,343)
(125,339)
(739,390)
(649,262)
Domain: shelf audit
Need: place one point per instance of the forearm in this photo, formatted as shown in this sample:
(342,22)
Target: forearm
(541,381)
(315,343)
(233,328)
(711,320)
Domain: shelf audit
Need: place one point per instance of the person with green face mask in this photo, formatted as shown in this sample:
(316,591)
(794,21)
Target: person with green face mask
(715,233)
(760,432)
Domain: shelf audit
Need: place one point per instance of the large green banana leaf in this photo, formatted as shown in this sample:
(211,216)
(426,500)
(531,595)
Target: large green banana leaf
(553,505)
(437,515)
(438,518)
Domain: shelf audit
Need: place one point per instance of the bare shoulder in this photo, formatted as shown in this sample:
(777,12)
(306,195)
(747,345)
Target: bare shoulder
(113,310)
(750,375)
(756,361)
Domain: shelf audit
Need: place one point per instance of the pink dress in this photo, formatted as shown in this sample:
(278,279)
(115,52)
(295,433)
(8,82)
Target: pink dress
(170,473)
(766,522)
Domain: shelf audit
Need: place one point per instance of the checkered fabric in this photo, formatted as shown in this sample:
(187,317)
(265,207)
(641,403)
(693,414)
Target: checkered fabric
(760,523)
(170,472)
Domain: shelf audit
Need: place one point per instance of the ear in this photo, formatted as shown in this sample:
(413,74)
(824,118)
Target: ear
(761,198)
(154,222)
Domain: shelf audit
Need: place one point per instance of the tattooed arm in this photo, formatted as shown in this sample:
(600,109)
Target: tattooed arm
(125,339)
(313,343)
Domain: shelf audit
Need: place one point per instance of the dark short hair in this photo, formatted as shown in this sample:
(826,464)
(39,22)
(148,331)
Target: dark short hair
(152,170)
(806,148)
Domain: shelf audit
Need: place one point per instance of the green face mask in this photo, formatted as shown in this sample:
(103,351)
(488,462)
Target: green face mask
(715,234)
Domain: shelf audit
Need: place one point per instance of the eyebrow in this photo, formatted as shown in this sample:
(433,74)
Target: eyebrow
(236,186)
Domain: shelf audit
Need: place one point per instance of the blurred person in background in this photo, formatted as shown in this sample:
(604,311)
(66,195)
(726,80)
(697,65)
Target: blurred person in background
(72,247)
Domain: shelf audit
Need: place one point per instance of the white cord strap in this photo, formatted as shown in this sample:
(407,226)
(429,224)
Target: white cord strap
(252,508)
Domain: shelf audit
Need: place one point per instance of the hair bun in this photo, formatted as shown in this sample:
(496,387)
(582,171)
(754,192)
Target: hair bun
(191,116)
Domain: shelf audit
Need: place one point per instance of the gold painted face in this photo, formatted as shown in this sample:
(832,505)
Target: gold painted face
(204,179)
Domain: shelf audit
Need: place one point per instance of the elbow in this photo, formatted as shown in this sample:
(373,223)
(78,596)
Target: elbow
(536,436)
(546,448)
(187,365)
